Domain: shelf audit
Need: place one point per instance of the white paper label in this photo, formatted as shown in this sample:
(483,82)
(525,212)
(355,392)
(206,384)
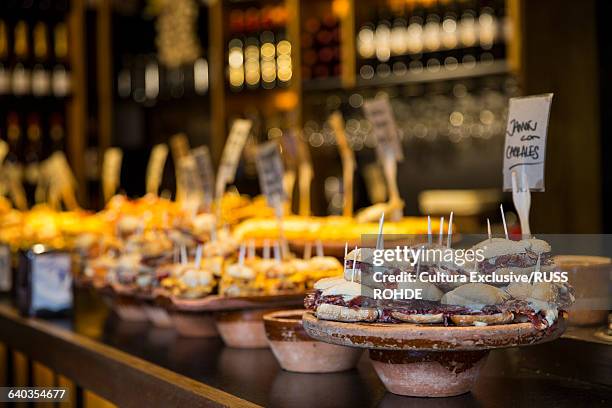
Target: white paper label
(525,147)
(233,150)
(380,114)
(51,282)
(206,174)
(270,172)
(6,276)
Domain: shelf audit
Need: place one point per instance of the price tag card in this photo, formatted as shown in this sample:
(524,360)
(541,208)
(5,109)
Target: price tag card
(203,161)
(525,147)
(233,150)
(270,171)
(380,114)
(155,168)
(6,274)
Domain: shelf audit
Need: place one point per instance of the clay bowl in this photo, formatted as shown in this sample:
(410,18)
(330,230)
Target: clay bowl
(158,316)
(124,304)
(298,352)
(590,278)
(243,328)
(194,324)
(428,361)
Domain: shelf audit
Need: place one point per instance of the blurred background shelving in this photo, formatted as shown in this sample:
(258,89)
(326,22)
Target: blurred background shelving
(138,72)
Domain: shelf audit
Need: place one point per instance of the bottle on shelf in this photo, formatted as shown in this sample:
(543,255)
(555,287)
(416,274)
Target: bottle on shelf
(61,81)
(20,78)
(5,78)
(41,78)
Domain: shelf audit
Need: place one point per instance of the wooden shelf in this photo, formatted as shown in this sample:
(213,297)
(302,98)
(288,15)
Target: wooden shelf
(443,74)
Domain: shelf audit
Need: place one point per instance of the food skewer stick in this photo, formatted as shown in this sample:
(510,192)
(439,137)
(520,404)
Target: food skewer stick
(251,249)
(380,243)
(345,255)
(241,254)
(501,208)
(489,229)
(522,201)
(277,252)
(175,255)
(347,156)
(354,264)
(450,231)
(441,233)
(538,264)
(266,249)
(198,256)
(184,257)
(429,237)
(308,251)
(319,248)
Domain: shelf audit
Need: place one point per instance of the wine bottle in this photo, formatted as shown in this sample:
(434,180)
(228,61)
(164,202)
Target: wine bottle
(60,82)
(5,78)
(20,80)
(41,78)
(32,155)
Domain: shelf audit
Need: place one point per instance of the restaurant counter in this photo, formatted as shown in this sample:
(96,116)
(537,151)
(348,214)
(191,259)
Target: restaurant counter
(130,363)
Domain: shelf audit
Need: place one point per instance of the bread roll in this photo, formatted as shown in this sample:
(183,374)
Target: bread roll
(429,290)
(327,311)
(475,294)
(495,247)
(419,318)
(488,320)
(539,246)
(327,283)
(348,290)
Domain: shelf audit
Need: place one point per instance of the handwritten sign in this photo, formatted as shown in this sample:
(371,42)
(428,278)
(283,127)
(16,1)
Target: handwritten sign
(233,150)
(155,167)
(6,276)
(270,171)
(525,147)
(380,114)
(203,162)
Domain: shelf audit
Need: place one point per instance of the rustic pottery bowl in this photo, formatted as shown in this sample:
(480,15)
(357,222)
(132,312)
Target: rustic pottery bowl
(189,324)
(297,351)
(243,328)
(428,361)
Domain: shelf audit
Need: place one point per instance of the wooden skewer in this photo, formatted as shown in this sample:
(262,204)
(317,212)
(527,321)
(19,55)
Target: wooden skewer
(241,254)
(450,231)
(441,234)
(354,264)
(501,208)
(198,256)
(489,229)
(429,236)
(380,243)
